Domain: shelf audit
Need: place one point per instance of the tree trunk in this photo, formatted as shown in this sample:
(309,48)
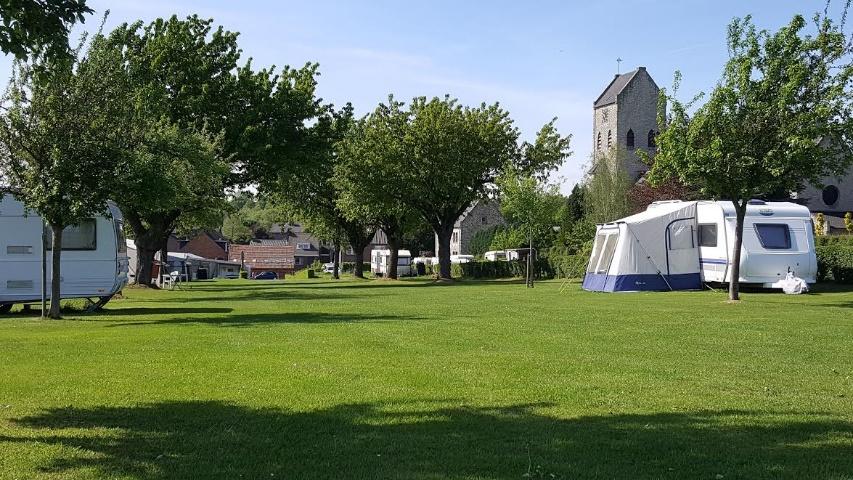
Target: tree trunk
(56,274)
(358,268)
(164,256)
(734,283)
(337,261)
(444,235)
(146,247)
(394,246)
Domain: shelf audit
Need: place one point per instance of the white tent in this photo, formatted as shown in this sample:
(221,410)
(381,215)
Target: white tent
(653,250)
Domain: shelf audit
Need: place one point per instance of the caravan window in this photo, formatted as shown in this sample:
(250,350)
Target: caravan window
(773,236)
(76,237)
(707,234)
(680,235)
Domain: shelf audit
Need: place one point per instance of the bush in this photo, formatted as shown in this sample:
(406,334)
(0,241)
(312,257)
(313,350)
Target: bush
(349,267)
(835,262)
(844,240)
(500,269)
(244,274)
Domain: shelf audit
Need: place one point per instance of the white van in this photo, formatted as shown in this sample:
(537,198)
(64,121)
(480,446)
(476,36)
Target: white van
(777,237)
(380,259)
(94,258)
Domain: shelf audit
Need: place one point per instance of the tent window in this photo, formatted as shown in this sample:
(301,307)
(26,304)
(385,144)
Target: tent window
(708,235)
(596,252)
(607,253)
(680,235)
(773,236)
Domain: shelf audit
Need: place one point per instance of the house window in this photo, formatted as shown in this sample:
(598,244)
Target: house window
(707,234)
(773,236)
(77,237)
(297,260)
(598,142)
(652,143)
(630,140)
(609,138)
(830,195)
(303,246)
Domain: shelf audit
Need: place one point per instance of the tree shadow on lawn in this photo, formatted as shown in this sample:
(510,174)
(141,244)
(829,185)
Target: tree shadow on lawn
(249,320)
(208,439)
(268,294)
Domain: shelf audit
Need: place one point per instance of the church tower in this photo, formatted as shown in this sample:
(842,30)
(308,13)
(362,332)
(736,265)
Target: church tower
(625,119)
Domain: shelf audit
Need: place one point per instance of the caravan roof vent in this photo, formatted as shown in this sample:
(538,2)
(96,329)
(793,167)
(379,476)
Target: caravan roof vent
(756,201)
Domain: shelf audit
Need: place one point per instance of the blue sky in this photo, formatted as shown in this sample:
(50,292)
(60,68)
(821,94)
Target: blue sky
(538,59)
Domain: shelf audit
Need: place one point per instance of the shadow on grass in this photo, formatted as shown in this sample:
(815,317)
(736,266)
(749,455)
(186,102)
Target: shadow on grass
(197,439)
(248,320)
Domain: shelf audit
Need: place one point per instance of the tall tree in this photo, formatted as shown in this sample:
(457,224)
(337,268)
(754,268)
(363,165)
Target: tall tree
(186,73)
(759,131)
(366,157)
(529,204)
(39,27)
(607,187)
(451,155)
(62,135)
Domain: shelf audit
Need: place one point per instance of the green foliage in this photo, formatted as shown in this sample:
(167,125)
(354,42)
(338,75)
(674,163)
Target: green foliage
(848,222)
(530,205)
(835,262)
(780,116)
(39,27)
(820,225)
(606,192)
(348,267)
(842,240)
(244,274)
(482,241)
(508,237)
(500,269)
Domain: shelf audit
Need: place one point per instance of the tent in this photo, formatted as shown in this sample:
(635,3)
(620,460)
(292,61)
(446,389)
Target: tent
(653,250)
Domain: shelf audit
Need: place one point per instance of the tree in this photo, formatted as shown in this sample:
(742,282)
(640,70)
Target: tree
(39,27)
(607,187)
(185,74)
(760,130)
(529,204)
(367,155)
(451,155)
(62,136)
(643,194)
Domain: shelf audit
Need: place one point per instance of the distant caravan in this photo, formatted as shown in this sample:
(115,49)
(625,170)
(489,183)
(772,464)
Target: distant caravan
(381,259)
(94,257)
(677,245)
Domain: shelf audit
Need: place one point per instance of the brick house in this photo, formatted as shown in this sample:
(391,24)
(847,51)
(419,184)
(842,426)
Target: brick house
(264,258)
(209,244)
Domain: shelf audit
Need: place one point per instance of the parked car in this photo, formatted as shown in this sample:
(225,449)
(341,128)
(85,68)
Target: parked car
(266,276)
(328,268)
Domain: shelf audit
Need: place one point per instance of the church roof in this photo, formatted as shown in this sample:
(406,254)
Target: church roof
(616,86)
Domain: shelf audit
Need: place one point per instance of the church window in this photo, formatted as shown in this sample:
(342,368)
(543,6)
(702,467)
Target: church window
(630,139)
(609,138)
(598,144)
(830,195)
(652,135)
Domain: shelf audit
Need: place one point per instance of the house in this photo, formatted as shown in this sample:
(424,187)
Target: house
(264,258)
(307,247)
(206,244)
(481,215)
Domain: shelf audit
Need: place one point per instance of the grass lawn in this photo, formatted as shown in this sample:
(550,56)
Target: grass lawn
(416,380)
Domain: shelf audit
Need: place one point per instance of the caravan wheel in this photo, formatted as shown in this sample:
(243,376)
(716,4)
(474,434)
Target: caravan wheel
(5,308)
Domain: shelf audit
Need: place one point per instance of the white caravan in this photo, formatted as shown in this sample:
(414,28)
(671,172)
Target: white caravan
(496,255)
(94,259)
(380,259)
(677,245)
(777,238)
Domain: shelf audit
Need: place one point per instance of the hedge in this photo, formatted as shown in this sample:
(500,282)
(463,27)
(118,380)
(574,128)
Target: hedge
(348,267)
(843,240)
(835,262)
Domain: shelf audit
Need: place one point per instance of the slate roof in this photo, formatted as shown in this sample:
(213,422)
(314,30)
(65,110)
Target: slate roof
(618,83)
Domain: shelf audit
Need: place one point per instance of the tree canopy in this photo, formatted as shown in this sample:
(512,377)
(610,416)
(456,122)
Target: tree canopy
(39,27)
(760,131)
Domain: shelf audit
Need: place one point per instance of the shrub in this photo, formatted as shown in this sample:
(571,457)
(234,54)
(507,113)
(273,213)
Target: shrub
(500,269)
(835,262)
(841,240)
(244,274)
(348,267)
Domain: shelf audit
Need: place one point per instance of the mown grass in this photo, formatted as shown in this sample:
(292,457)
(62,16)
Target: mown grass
(417,380)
